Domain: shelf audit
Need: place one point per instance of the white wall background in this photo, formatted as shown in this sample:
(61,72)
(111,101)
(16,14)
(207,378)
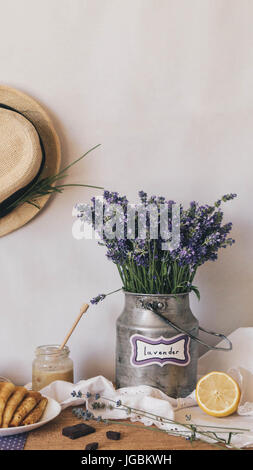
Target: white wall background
(166,88)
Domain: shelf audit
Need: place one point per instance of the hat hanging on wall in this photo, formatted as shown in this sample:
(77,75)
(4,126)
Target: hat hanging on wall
(29,150)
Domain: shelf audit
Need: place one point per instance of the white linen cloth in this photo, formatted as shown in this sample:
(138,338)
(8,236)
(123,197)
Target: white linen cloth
(238,363)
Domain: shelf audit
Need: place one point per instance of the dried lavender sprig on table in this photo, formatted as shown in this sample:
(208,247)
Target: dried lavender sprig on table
(190,431)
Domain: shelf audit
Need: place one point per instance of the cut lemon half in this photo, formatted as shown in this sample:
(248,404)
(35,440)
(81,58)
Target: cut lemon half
(218,394)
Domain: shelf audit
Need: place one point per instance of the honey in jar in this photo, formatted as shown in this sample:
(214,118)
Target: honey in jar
(51,363)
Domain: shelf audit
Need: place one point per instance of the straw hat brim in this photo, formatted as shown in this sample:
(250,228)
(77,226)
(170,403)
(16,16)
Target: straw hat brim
(35,112)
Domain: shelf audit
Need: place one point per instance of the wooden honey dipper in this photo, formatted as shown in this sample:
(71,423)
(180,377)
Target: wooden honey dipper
(83,309)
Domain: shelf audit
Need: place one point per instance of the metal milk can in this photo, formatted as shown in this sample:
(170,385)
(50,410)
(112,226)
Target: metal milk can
(157,343)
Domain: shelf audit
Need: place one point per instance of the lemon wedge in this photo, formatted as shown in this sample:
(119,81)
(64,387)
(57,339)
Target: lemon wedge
(218,394)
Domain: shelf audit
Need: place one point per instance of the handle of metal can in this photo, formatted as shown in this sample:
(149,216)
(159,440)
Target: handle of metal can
(150,306)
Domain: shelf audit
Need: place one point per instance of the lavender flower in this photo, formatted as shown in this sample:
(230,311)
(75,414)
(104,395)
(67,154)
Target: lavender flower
(101,297)
(142,263)
(97,299)
(189,431)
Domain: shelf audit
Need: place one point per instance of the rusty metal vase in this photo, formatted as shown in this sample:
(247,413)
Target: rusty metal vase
(151,352)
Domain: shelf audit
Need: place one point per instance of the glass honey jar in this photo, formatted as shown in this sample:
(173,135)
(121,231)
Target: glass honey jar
(51,363)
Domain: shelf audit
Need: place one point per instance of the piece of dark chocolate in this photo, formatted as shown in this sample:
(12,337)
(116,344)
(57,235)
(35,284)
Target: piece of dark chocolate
(78,430)
(113,435)
(92,446)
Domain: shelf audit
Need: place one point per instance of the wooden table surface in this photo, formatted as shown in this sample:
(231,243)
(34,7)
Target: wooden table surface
(49,437)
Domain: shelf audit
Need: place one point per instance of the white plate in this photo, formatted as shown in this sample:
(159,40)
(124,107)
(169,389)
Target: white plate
(52,410)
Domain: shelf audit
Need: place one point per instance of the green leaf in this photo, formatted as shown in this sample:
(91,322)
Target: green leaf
(47,186)
(196,291)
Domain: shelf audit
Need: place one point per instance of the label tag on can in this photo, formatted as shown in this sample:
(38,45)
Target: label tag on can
(160,351)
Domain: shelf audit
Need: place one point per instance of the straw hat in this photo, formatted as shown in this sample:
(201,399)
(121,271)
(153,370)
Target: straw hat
(29,150)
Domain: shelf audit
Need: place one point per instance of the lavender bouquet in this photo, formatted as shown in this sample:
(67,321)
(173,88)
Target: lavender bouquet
(144,265)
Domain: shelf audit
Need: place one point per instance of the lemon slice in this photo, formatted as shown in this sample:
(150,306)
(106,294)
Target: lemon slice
(218,394)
